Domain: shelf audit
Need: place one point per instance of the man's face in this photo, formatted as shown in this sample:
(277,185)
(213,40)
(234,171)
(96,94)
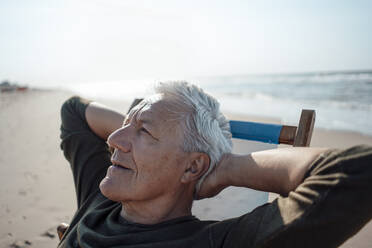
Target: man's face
(149,147)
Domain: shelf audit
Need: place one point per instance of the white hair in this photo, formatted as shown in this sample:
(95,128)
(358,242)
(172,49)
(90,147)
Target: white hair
(205,128)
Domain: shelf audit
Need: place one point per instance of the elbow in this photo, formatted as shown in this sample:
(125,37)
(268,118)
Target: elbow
(68,105)
(72,114)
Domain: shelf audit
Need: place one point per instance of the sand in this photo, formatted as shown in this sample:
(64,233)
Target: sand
(37,191)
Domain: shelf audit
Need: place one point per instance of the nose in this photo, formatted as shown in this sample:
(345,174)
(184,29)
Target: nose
(120,139)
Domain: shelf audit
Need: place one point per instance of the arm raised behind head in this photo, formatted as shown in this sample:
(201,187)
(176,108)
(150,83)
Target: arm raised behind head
(278,170)
(103,120)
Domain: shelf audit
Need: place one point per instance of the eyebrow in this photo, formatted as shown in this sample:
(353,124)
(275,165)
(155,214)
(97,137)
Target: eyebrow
(147,121)
(144,118)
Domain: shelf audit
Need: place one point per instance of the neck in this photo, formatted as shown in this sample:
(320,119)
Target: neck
(157,210)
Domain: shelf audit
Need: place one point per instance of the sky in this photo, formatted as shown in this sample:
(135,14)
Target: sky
(58,42)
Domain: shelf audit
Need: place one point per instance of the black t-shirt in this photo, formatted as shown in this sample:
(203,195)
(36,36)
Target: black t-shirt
(314,215)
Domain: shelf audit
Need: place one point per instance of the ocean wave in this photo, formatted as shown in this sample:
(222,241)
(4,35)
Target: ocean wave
(307,78)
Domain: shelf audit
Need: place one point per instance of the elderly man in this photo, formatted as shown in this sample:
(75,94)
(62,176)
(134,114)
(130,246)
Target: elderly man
(176,146)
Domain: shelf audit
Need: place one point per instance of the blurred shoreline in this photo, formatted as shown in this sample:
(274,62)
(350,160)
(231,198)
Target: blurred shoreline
(37,190)
(342,99)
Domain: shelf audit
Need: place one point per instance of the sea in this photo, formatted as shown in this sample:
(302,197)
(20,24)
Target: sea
(342,100)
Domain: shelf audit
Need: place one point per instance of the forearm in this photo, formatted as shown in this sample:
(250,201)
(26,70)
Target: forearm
(103,120)
(279,170)
(331,205)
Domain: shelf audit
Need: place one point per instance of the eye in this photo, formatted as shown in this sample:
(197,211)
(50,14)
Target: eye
(142,129)
(126,122)
(147,132)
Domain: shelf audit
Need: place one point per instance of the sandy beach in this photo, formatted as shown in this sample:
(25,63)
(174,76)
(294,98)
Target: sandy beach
(37,191)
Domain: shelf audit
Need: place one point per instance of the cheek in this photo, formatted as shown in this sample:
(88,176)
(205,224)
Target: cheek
(158,170)
(145,152)
(159,165)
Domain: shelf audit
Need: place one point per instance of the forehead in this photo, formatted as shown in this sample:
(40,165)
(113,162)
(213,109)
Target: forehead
(153,111)
(157,112)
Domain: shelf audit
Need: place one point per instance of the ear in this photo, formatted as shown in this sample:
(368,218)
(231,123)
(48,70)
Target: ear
(197,165)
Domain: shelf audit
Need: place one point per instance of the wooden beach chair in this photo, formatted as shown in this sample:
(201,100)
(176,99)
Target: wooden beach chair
(261,136)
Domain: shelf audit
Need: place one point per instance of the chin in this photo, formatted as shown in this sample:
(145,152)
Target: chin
(107,189)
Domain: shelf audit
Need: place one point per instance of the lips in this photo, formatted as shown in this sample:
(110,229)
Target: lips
(119,166)
(115,160)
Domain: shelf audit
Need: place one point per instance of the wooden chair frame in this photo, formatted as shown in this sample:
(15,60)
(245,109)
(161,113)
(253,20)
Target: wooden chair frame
(277,134)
